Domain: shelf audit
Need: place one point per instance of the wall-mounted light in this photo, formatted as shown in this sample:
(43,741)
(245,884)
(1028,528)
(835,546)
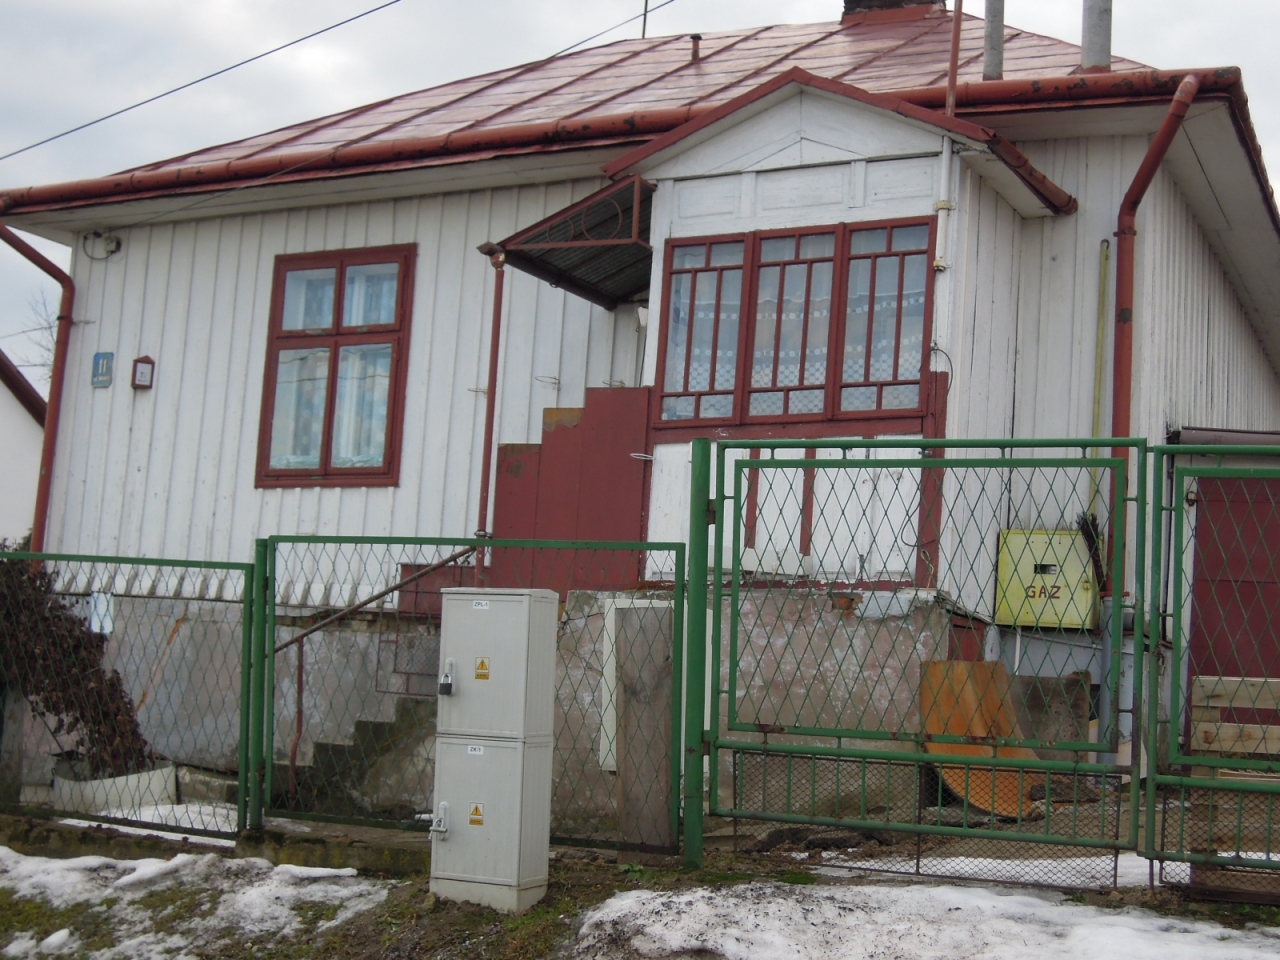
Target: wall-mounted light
(144,373)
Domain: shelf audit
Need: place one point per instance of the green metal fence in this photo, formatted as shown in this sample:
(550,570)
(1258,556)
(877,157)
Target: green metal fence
(351,651)
(918,667)
(1214,767)
(122,683)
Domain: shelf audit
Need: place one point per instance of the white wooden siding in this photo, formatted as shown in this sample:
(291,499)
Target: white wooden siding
(1198,360)
(21,439)
(170,471)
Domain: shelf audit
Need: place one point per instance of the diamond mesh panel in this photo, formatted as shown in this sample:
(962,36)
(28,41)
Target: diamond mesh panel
(354,704)
(122,690)
(918,644)
(1217,729)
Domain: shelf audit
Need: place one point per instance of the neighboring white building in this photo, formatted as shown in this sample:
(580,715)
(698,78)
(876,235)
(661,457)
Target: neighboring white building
(343,251)
(22,412)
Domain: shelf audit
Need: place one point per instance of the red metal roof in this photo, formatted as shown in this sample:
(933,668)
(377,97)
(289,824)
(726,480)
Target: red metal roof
(639,87)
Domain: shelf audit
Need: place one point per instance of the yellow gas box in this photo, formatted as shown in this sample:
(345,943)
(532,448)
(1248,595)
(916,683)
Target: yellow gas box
(1044,579)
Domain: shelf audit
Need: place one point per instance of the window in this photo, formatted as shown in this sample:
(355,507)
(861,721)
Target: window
(334,392)
(836,326)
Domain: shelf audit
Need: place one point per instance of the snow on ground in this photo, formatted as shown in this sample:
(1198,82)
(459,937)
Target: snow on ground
(763,921)
(1131,870)
(246,896)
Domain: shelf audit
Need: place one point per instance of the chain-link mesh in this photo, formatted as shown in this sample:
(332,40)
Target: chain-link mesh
(121,682)
(1217,728)
(923,644)
(354,683)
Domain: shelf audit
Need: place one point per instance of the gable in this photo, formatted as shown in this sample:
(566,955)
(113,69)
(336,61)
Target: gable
(796,127)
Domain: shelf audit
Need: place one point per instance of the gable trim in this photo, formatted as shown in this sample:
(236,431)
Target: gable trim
(21,388)
(1052,196)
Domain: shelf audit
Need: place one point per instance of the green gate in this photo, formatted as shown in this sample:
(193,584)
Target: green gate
(1213,786)
(917,666)
(351,650)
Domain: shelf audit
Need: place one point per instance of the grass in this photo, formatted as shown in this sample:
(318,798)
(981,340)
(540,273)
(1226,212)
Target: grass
(92,924)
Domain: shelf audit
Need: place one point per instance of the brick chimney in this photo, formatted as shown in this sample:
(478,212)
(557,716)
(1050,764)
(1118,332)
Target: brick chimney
(863,6)
(868,11)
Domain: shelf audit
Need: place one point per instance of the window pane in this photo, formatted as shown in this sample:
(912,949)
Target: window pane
(794,280)
(718,405)
(677,408)
(868,241)
(704,320)
(766,404)
(805,401)
(766,318)
(685,257)
(297,426)
(371,295)
(911,346)
(727,342)
(726,254)
(308,299)
(778,248)
(911,238)
(815,353)
(360,414)
(902,397)
(855,322)
(884,325)
(815,245)
(858,398)
(677,331)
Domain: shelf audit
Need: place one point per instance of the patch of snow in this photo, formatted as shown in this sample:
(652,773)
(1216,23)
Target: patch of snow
(194,816)
(248,895)
(1131,870)
(762,921)
(55,941)
(222,842)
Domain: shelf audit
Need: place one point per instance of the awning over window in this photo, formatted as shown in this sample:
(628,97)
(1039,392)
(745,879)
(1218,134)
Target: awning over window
(597,248)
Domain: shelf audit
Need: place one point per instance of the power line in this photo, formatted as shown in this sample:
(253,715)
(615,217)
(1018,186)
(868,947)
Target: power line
(210,76)
(638,16)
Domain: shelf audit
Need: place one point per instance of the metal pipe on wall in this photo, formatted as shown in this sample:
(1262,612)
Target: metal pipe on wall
(54,411)
(1126,236)
(993,46)
(498,259)
(1095,43)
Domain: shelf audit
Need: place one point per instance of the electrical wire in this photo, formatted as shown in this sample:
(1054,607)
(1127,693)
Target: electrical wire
(594,36)
(209,76)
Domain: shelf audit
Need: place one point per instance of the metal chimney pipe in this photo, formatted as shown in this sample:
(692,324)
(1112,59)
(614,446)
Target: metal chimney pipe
(993,50)
(1095,45)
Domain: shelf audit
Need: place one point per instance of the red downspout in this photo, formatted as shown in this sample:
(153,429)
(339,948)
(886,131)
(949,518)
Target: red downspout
(498,258)
(53,414)
(1126,234)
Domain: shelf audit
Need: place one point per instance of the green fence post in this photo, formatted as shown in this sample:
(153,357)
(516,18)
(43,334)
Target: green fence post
(257,719)
(696,677)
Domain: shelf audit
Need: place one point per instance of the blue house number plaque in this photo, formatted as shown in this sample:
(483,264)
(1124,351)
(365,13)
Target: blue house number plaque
(103,364)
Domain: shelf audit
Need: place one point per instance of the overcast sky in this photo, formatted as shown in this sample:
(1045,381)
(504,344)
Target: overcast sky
(63,62)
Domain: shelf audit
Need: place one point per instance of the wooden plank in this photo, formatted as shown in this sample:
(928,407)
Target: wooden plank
(1258,693)
(1236,738)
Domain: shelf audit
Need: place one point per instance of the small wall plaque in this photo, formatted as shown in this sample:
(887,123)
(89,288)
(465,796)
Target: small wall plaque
(103,366)
(144,373)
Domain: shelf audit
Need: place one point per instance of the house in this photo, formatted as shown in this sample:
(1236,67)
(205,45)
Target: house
(318,319)
(22,412)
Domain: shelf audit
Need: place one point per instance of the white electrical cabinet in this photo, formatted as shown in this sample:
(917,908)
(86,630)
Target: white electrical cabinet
(491,826)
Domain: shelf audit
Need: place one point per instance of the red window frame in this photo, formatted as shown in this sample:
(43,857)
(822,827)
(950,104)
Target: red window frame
(334,337)
(740,419)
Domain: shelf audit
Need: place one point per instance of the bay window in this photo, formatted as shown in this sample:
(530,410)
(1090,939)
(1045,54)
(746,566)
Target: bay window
(836,325)
(334,391)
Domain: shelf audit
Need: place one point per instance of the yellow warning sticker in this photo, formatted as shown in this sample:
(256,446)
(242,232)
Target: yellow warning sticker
(477,815)
(482,668)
